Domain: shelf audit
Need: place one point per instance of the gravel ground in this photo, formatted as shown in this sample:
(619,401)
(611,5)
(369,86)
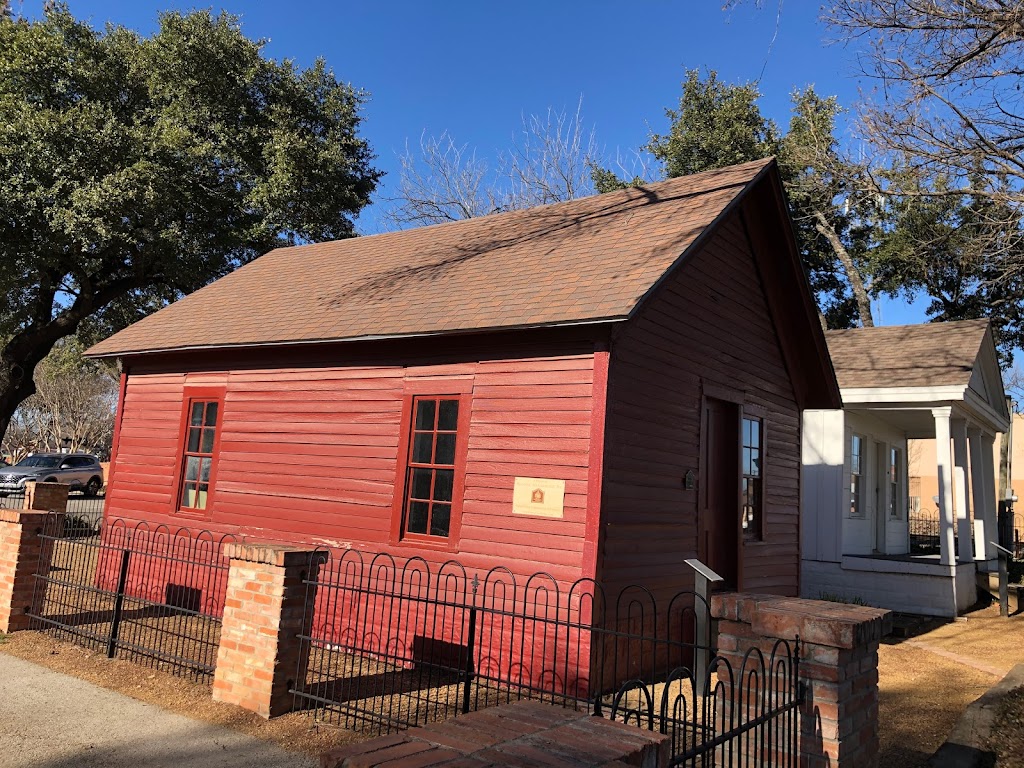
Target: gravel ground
(925,685)
(922,693)
(1008,734)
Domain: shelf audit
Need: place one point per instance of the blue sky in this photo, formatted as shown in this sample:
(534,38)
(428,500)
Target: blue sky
(473,67)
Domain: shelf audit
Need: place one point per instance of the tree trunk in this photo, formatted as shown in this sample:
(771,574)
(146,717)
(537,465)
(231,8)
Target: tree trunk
(860,294)
(16,386)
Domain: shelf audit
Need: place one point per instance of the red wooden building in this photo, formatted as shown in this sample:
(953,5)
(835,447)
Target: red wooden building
(598,388)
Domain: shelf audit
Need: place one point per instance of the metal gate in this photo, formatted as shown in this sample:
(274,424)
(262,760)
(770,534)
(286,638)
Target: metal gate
(150,595)
(388,646)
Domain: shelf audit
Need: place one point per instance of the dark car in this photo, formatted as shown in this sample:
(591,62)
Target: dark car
(81,471)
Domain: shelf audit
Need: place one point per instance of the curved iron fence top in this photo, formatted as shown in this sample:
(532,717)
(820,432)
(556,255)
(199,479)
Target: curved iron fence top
(453,583)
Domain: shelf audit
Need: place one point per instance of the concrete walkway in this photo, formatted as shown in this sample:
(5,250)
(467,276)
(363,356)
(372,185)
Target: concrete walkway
(50,720)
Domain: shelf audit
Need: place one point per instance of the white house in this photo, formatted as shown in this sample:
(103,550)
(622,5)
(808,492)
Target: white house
(939,380)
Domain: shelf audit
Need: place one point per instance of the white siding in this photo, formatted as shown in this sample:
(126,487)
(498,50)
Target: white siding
(821,485)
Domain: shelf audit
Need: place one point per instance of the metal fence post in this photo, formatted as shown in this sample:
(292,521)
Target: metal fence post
(1004,579)
(470,647)
(703,578)
(115,621)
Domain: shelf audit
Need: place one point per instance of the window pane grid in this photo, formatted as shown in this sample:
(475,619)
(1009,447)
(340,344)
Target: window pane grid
(751,481)
(431,464)
(856,456)
(894,483)
(197,458)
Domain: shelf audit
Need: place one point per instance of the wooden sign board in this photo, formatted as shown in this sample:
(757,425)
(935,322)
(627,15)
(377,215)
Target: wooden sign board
(538,497)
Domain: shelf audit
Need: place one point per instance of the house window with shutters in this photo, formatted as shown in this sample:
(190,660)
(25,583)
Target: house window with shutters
(432,468)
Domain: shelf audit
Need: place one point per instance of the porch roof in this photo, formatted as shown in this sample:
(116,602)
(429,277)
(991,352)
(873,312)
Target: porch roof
(899,373)
(929,354)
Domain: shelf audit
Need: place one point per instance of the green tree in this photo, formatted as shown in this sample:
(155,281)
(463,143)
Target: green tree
(73,407)
(134,170)
(718,124)
(836,224)
(953,249)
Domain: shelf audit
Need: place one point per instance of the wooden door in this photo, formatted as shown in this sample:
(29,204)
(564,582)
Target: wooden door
(720,505)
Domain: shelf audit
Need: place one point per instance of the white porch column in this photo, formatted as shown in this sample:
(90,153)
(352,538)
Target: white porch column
(984,496)
(944,472)
(965,552)
(988,479)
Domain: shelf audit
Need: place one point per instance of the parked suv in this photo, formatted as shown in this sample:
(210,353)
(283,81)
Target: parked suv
(81,471)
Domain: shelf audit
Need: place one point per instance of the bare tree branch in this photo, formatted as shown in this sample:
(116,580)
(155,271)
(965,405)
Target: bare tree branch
(549,161)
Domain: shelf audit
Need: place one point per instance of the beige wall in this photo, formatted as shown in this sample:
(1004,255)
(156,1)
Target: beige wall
(922,476)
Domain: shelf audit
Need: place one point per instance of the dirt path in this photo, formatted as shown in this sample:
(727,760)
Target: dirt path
(50,720)
(294,733)
(926,683)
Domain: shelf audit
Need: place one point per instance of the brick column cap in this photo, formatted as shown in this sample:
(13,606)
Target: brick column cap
(283,555)
(821,622)
(25,516)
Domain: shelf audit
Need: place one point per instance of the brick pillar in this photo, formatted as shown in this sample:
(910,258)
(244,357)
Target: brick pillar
(263,610)
(838,667)
(23,554)
(46,497)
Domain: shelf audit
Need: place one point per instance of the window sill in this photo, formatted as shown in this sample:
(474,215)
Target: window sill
(436,543)
(199,516)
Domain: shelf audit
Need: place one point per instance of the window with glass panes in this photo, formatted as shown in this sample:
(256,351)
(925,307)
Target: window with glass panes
(198,456)
(752,482)
(895,476)
(430,470)
(856,466)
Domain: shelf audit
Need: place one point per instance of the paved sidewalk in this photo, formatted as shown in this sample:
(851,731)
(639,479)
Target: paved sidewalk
(50,720)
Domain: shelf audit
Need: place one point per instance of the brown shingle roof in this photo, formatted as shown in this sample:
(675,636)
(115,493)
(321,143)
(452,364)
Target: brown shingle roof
(585,260)
(933,354)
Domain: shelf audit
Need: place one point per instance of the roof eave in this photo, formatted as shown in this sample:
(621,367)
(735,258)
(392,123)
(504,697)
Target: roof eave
(347,339)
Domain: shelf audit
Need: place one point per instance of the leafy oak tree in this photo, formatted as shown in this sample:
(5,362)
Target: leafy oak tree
(945,149)
(136,169)
(718,124)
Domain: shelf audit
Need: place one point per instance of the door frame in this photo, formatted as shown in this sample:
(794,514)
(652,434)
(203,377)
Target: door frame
(712,391)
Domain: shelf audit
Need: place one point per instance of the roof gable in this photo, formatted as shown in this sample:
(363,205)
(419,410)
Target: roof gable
(584,261)
(950,362)
(929,354)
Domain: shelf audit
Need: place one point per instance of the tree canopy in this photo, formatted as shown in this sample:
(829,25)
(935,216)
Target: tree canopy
(943,149)
(136,169)
(718,124)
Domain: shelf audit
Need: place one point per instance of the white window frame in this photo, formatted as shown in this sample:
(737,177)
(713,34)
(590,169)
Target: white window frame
(857,476)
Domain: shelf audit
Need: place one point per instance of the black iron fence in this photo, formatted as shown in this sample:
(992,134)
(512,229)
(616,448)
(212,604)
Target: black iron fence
(389,645)
(1011,532)
(87,509)
(925,532)
(151,595)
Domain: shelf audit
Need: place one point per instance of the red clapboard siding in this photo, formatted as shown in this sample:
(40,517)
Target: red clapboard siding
(310,455)
(707,323)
